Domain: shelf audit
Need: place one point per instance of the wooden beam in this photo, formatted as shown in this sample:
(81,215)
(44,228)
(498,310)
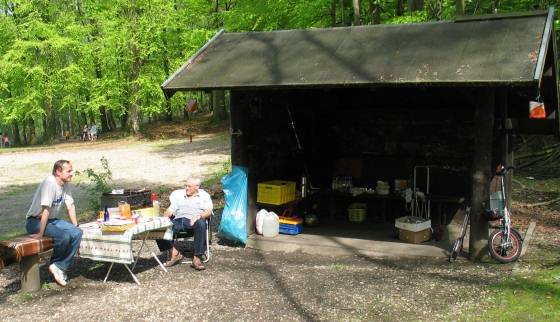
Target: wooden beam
(528,236)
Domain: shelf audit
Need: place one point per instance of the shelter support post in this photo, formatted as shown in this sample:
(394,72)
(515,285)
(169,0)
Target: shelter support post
(481,172)
(503,152)
(239,129)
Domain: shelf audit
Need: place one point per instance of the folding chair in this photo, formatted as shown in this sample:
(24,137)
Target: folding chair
(183,235)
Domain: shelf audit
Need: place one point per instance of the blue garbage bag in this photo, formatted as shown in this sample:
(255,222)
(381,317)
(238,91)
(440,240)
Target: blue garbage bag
(233,224)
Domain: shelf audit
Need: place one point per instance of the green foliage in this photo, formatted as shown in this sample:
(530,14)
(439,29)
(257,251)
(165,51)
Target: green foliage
(96,182)
(65,64)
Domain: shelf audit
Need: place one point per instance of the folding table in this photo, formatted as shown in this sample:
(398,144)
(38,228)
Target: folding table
(116,247)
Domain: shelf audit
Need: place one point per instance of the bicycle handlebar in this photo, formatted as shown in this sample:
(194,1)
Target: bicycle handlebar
(503,170)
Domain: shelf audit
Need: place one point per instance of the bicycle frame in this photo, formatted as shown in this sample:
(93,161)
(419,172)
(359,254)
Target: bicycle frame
(505,220)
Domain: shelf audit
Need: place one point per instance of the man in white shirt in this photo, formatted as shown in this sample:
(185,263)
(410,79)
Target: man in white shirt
(189,209)
(42,219)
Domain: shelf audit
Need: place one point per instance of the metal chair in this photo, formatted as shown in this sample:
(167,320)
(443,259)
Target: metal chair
(183,235)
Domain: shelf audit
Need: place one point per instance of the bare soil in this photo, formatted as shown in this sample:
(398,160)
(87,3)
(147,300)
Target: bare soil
(240,284)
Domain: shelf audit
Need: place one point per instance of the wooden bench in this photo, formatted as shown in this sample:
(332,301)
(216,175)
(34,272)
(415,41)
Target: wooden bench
(25,251)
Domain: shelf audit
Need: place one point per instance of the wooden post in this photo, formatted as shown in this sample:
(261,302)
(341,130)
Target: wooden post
(239,154)
(481,173)
(30,278)
(504,153)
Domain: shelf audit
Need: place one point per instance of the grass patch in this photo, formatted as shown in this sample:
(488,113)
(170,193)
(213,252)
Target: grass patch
(23,297)
(12,191)
(531,296)
(336,267)
(12,233)
(218,171)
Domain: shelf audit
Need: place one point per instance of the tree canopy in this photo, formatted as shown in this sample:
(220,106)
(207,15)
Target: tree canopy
(66,63)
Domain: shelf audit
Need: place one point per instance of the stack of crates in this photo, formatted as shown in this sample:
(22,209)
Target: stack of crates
(290,225)
(276,192)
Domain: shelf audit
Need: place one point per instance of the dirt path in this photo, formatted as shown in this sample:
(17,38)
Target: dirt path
(133,163)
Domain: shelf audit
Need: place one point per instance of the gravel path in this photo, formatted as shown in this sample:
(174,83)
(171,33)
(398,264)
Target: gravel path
(247,285)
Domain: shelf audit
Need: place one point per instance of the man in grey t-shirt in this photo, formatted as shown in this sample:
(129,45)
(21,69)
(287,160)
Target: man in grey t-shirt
(42,219)
(190,207)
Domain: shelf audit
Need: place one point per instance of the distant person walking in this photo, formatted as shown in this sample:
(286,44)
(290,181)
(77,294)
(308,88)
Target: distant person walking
(85,133)
(5,141)
(93,132)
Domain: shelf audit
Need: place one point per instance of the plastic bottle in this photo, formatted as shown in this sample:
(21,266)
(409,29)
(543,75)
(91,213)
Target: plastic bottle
(106,214)
(155,204)
(271,225)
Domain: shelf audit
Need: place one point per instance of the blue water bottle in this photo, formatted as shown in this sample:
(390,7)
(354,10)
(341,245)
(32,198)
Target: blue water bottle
(106,214)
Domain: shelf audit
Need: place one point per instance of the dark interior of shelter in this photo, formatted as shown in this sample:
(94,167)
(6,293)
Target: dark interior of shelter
(344,139)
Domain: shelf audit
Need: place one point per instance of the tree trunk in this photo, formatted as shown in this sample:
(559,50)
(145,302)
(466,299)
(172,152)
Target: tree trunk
(459,7)
(416,5)
(495,6)
(49,122)
(356,7)
(375,10)
(481,173)
(219,109)
(133,121)
(333,13)
(167,72)
(399,7)
(15,131)
(342,16)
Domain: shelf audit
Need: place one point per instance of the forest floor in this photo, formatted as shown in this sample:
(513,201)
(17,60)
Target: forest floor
(244,284)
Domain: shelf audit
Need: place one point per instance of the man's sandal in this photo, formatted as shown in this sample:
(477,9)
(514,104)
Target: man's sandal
(173,260)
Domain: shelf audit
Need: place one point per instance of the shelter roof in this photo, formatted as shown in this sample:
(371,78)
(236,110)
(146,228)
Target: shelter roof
(501,50)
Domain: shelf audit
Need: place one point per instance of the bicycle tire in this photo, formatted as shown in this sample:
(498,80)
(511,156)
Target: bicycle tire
(506,254)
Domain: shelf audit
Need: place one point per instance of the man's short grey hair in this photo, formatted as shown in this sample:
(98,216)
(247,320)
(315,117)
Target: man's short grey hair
(195,180)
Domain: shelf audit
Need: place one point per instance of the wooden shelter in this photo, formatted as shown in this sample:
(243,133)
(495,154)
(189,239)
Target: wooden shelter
(373,102)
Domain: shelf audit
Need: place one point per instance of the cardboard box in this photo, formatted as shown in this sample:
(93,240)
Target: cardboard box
(413,224)
(415,237)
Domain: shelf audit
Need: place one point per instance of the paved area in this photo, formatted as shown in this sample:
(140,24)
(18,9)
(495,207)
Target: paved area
(356,240)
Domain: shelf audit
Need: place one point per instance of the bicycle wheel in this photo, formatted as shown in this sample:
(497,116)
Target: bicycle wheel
(505,252)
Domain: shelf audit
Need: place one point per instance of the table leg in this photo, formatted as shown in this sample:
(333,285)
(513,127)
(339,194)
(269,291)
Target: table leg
(108,272)
(160,264)
(140,250)
(133,276)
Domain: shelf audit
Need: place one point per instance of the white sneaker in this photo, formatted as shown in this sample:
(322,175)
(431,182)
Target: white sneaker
(58,275)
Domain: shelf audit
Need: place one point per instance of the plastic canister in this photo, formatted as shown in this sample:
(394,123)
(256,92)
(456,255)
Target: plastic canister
(259,221)
(156,208)
(271,225)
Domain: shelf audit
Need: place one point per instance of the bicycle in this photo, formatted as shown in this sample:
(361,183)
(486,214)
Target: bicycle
(504,243)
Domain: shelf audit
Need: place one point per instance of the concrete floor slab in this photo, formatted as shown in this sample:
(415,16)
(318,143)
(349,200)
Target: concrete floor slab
(352,239)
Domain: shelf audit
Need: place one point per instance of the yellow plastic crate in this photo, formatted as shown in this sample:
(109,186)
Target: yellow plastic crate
(276,192)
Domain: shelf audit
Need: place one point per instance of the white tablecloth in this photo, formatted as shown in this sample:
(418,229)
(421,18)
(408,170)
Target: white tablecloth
(117,247)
